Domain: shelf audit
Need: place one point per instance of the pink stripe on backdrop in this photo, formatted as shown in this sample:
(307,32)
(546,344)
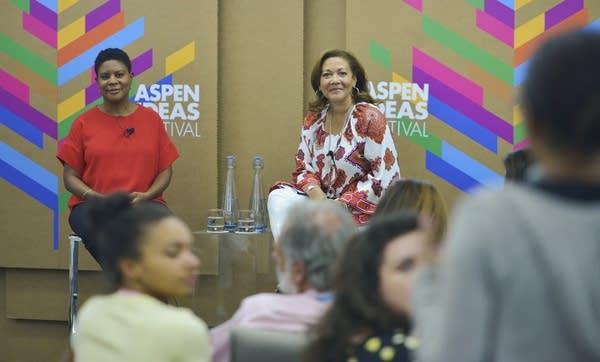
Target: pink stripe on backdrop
(417,4)
(39,30)
(495,28)
(522,144)
(14,86)
(448,76)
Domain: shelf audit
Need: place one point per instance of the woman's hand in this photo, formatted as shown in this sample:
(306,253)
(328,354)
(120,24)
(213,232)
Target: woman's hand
(74,184)
(314,192)
(139,197)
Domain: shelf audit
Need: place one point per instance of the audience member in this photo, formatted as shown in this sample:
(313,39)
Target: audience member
(418,196)
(369,318)
(519,278)
(346,151)
(311,239)
(147,256)
(516,164)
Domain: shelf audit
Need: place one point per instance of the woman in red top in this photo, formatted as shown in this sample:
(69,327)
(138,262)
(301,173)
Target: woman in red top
(116,146)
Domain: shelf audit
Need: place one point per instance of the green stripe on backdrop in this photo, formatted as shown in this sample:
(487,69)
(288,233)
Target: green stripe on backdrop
(468,50)
(380,54)
(28,59)
(63,199)
(431,143)
(422,138)
(476,3)
(519,133)
(21,4)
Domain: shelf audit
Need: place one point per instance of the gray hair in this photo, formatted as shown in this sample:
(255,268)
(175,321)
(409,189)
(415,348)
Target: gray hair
(314,233)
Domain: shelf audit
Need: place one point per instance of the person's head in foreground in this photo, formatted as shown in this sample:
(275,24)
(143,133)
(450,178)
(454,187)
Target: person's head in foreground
(560,99)
(313,235)
(372,286)
(144,247)
(418,196)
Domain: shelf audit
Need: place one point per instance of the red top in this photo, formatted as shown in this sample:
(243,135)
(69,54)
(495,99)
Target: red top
(118,153)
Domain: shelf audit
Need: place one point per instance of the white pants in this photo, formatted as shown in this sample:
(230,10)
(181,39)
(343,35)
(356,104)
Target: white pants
(279,203)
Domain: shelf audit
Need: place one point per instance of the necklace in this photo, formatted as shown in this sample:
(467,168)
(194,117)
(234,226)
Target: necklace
(330,126)
(331,119)
(118,117)
(330,152)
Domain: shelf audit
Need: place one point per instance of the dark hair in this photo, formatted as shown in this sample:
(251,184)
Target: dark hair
(358,306)
(357,70)
(516,164)
(112,54)
(119,227)
(561,92)
(418,196)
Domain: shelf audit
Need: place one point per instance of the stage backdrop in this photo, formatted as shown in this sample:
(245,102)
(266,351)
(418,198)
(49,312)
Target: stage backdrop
(47,50)
(447,77)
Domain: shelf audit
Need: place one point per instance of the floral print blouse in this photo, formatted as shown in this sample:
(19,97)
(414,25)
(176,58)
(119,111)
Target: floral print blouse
(355,166)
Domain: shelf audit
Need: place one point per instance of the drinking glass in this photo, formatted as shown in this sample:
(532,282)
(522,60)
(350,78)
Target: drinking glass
(215,221)
(246,222)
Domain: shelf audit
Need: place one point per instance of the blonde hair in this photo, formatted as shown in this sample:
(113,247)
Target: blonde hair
(419,196)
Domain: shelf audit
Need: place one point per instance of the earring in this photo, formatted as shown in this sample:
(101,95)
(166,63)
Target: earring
(356,89)
(317,93)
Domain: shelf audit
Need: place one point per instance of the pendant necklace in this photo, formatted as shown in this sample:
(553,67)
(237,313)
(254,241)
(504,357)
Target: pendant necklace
(330,153)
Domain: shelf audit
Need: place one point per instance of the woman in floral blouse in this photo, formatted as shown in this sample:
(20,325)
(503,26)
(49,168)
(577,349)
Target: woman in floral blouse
(346,152)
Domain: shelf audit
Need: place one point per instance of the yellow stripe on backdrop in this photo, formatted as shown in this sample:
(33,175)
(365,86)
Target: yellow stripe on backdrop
(529,30)
(517,115)
(70,32)
(65,4)
(70,105)
(180,58)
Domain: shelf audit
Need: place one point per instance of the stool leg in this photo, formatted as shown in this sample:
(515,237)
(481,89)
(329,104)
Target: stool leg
(74,241)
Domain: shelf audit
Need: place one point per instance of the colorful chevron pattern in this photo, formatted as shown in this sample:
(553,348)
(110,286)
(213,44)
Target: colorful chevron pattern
(76,46)
(457,96)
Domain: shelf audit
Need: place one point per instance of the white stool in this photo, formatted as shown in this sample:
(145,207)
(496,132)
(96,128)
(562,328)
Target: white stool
(74,241)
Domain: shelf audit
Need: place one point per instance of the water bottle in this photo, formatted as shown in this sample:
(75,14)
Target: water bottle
(230,201)
(258,203)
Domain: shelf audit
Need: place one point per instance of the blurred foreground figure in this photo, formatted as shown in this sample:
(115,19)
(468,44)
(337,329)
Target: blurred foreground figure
(519,279)
(313,235)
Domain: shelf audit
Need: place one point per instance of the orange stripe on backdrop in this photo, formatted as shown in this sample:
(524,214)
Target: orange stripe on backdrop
(36,83)
(91,38)
(491,84)
(524,52)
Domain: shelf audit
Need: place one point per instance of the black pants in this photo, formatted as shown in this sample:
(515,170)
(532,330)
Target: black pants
(81,224)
